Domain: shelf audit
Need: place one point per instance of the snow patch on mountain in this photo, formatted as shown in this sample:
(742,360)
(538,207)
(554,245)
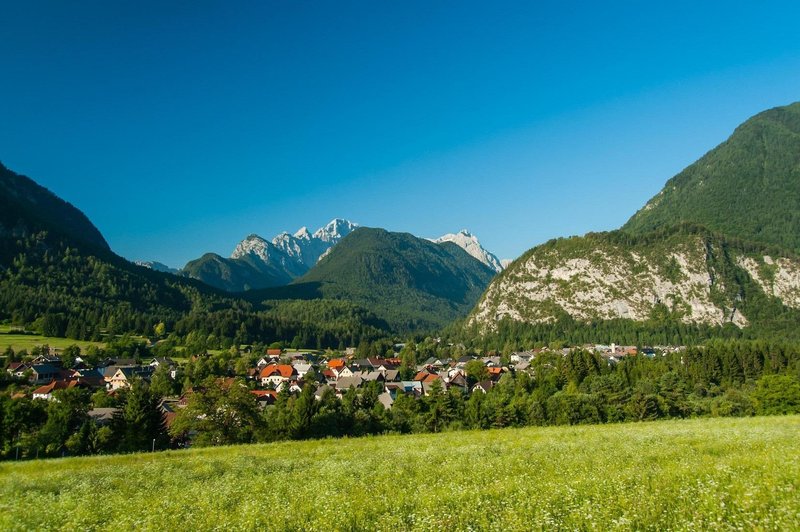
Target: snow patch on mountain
(303,234)
(469,243)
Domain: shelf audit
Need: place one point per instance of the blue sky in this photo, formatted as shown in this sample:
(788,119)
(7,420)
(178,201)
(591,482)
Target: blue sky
(181,127)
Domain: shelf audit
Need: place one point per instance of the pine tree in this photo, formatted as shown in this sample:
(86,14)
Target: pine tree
(141,423)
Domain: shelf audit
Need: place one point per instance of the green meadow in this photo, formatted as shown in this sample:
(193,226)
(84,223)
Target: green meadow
(700,474)
(28,341)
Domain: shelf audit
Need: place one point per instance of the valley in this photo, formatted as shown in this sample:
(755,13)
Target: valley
(358,331)
(400,266)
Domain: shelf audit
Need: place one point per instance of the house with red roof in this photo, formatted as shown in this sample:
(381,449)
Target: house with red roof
(265,397)
(275,374)
(423,375)
(495,373)
(46,392)
(336,363)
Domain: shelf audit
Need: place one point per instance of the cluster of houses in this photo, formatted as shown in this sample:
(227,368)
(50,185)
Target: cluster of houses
(49,374)
(339,375)
(278,369)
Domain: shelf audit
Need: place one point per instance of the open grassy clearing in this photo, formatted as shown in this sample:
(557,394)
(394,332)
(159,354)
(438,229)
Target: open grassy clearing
(693,474)
(10,336)
(28,341)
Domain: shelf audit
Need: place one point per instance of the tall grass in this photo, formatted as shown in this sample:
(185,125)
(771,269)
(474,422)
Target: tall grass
(705,474)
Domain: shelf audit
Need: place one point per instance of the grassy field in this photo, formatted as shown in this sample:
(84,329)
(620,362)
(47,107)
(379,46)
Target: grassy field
(29,341)
(709,474)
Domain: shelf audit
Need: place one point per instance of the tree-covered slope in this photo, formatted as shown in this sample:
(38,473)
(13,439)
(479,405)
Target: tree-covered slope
(747,187)
(685,274)
(410,282)
(58,273)
(68,286)
(27,207)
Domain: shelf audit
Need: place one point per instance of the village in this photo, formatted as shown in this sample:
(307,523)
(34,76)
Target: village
(277,369)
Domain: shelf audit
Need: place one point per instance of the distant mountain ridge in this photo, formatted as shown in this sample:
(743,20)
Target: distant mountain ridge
(411,282)
(259,263)
(156,266)
(58,276)
(302,247)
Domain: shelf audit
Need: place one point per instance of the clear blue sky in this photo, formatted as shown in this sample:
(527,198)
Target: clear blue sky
(181,127)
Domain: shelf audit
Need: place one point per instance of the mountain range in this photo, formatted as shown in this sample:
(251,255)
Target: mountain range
(341,283)
(716,246)
(260,263)
(411,282)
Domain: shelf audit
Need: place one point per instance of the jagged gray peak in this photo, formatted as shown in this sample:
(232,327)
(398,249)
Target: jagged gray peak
(302,247)
(469,243)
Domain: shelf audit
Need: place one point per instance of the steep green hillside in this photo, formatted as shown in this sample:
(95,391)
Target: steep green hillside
(699,474)
(682,275)
(747,187)
(56,269)
(27,207)
(410,282)
(716,248)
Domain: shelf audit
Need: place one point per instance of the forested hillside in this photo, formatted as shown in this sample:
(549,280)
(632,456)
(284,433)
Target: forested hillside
(27,207)
(747,187)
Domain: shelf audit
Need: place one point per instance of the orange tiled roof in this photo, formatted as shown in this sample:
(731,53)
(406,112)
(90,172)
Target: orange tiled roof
(263,393)
(284,370)
(336,363)
(55,385)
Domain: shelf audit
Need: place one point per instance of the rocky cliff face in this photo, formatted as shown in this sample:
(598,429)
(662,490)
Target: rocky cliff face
(777,277)
(695,278)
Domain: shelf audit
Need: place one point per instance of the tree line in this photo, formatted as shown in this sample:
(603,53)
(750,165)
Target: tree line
(721,378)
